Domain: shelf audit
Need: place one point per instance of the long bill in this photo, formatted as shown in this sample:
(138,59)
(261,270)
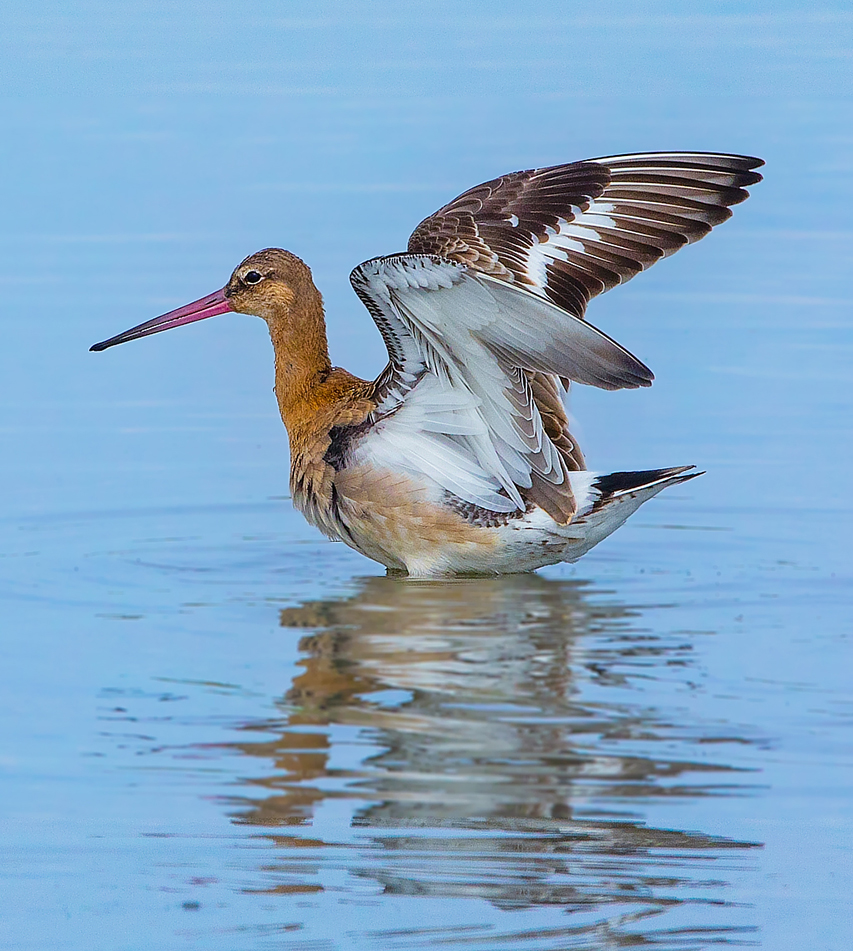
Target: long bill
(210,306)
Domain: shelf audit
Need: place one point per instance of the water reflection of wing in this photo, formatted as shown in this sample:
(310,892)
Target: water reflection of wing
(475,764)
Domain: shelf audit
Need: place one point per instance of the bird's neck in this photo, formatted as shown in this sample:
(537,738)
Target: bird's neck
(301,356)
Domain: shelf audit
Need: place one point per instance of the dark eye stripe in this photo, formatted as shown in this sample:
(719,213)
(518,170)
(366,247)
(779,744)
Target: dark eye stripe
(253,277)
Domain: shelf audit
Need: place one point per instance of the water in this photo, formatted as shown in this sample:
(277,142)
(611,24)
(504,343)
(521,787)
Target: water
(220,731)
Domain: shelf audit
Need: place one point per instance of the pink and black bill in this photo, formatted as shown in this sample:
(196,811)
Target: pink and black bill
(210,306)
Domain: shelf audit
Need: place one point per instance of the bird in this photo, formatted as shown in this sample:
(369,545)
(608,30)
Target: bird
(458,458)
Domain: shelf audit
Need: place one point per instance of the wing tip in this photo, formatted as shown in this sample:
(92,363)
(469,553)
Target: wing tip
(627,373)
(624,382)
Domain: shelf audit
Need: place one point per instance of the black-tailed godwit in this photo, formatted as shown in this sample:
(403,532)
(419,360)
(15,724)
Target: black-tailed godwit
(458,457)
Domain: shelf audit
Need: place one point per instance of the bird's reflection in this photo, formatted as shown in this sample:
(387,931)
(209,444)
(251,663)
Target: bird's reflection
(493,739)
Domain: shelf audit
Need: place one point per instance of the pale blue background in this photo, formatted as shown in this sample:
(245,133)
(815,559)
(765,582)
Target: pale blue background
(146,547)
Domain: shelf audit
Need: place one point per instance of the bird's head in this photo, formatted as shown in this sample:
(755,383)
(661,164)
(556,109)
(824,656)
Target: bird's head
(266,284)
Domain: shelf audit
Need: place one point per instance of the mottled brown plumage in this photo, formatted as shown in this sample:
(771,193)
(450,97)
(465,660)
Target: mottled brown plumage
(458,456)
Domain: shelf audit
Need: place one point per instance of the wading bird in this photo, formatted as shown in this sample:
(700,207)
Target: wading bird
(458,458)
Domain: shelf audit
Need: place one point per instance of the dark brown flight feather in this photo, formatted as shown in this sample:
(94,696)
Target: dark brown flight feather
(655,203)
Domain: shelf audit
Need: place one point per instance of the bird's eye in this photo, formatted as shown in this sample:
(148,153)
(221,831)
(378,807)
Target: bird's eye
(252,277)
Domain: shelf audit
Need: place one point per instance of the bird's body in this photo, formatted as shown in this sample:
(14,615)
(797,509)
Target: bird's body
(458,458)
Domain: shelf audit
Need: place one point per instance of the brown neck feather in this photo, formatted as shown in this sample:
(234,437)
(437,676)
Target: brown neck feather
(301,354)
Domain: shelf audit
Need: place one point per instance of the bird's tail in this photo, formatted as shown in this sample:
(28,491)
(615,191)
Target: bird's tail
(606,502)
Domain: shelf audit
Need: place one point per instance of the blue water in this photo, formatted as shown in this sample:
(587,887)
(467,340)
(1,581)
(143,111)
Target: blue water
(219,730)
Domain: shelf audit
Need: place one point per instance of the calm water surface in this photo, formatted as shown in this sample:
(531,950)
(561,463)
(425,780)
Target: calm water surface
(220,731)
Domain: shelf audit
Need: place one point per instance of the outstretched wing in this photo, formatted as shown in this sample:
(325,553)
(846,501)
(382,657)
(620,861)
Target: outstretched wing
(484,316)
(570,232)
(462,400)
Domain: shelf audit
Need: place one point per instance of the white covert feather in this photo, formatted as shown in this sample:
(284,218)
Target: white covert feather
(473,408)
